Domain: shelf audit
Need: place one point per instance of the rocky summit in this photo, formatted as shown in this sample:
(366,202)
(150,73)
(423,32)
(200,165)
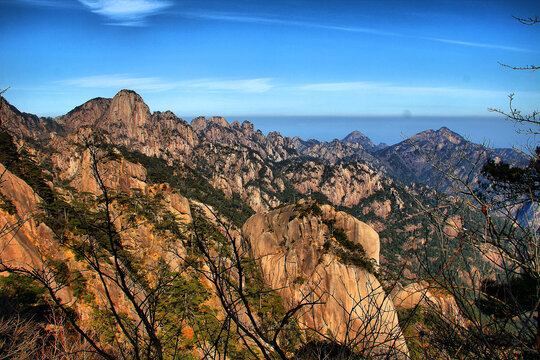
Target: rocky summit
(151,236)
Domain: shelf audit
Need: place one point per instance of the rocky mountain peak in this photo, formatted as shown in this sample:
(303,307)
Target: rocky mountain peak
(129,93)
(451,136)
(86,114)
(125,112)
(407,159)
(127,107)
(217,130)
(128,121)
(444,134)
(359,138)
(218,120)
(4,104)
(199,123)
(275,135)
(248,127)
(26,125)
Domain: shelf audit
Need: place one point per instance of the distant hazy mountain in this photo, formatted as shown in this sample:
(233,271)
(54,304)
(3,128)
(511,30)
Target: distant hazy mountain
(426,156)
(359,138)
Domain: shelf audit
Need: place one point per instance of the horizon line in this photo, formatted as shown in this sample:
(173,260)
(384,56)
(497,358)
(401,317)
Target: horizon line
(393,116)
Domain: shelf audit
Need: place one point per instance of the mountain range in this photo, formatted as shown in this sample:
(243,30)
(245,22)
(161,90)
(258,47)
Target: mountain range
(254,172)
(129,122)
(346,209)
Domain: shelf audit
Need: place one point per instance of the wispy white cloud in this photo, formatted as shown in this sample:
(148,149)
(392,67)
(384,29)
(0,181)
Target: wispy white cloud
(258,85)
(475,44)
(354,29)
(387,88)
(155,84)
(442,91)
(278,21)
(340,86)
(120,81)
(50,3)
(126,12)
(262,85)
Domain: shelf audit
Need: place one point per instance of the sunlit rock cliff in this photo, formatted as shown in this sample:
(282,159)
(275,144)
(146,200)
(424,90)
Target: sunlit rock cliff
(329,259)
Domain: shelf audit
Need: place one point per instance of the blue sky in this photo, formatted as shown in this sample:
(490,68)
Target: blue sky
(259,60)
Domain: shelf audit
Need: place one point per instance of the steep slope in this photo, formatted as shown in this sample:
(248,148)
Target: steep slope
(86,114)
(27,125)
(237,169)
(97,254)
(176,188)
(19,226)
(233,158)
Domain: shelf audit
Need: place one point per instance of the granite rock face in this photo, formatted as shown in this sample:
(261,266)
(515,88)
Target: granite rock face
(299,256)
(23,239)
(419,295)
(217,130)
(300,248)
(336,151)
(343,184)
(356,137)
(24,125)
(27,242)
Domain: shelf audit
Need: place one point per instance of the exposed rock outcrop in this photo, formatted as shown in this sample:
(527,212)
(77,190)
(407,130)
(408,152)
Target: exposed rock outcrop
(307,252)
(24,125)
(343,184)
(299,257)
(128,122)
(24,241)
(334,152)
(419,295)
(217,130)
